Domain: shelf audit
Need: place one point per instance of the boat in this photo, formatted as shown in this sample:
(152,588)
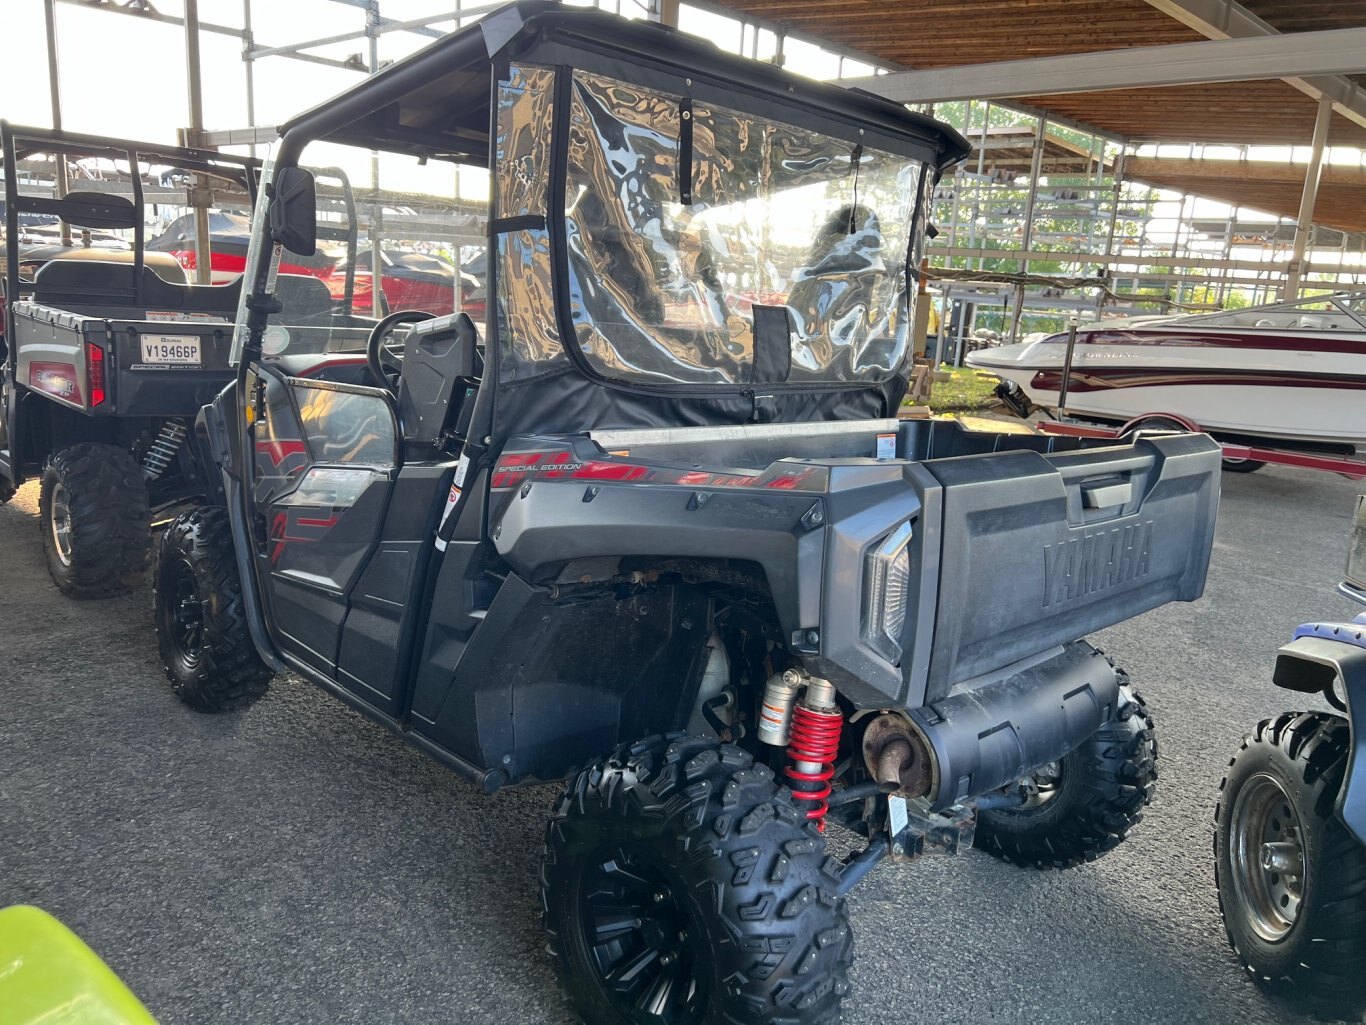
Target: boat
(1291,373)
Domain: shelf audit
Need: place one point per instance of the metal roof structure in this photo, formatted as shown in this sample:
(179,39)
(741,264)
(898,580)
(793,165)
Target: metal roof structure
(963,33)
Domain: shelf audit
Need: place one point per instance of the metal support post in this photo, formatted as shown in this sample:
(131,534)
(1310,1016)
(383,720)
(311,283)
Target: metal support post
(199,199)
(372,31)
(54,87)
(1303,222)
(248,42)
(1035,169)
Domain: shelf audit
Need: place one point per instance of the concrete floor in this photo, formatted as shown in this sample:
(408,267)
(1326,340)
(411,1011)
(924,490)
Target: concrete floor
(295,864)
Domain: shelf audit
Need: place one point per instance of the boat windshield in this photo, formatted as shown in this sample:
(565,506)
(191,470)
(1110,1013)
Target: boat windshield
(1343,312)
(1354,304)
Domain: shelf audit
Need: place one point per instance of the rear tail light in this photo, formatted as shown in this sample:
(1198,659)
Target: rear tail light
(886,592)
(94,373)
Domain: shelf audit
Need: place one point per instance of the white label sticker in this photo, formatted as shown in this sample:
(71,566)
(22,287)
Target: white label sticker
(453,498)
(180,349)
(886,446)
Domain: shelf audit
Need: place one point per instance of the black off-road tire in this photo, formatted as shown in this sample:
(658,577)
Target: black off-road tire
(95,521)
(7,490)
(687,848)
(1320,960)
(202,632)
(1095,801)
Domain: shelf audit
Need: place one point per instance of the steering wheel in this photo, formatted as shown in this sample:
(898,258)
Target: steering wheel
(385,361)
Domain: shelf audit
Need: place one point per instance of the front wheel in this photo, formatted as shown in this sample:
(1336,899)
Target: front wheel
(94,515)
(1291,879)
(201,620)
(1087,802)
(1242,465)
(681,885)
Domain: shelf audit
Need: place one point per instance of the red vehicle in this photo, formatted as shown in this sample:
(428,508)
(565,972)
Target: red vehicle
(414,281)
(228,237)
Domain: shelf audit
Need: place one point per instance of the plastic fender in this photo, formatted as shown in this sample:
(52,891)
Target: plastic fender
(1320,653)
(49,975)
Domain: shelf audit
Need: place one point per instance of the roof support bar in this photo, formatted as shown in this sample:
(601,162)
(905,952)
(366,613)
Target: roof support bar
(1304,222)
(1228,19)
(1221,60)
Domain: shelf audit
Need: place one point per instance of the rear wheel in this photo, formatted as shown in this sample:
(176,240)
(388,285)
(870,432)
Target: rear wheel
(202,631)
(95,520)
(1084,804)
(1242,465)
(680,885)
(1291,879)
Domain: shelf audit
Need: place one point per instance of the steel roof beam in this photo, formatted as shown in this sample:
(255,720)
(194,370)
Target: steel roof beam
(1219,60)
(1227,19)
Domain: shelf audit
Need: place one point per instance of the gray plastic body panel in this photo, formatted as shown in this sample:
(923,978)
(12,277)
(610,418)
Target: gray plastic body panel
(1028,561)
(50,351)
(1009,558)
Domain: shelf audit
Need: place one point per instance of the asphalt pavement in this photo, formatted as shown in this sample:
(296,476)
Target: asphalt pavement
(296,864)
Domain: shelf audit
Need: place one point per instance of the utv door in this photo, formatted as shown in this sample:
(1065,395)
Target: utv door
(336,552)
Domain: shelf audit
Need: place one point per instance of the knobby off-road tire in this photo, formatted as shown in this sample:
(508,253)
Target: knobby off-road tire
(202,631)
(95,521)
(1302,936)
(1093,801)
(679,884)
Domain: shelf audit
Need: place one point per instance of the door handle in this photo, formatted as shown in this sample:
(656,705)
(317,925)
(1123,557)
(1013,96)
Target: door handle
(1104,496)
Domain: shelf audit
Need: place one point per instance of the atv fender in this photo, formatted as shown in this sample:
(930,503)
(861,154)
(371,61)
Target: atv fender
(1320,654)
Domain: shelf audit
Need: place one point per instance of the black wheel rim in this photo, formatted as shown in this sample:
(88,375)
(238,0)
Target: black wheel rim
(186,619)
(642,941)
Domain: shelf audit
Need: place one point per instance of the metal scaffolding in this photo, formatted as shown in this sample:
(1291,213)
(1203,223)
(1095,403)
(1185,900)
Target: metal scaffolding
(1062,210)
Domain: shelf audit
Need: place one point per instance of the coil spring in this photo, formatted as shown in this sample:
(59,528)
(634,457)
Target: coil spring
(162,451)
(813,749)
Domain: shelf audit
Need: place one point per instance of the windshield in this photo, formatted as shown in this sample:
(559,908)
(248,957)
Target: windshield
(426,219)
(777,254)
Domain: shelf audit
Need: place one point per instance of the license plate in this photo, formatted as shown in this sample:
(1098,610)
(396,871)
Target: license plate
(178,349)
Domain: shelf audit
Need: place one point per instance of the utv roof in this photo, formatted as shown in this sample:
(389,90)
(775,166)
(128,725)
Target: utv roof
(436,102)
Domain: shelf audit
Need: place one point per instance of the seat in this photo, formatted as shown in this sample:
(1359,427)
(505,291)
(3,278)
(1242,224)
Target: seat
(105,283)
(441,364)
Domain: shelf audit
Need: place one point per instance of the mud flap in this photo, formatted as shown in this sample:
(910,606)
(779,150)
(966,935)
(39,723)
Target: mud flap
(1320,654)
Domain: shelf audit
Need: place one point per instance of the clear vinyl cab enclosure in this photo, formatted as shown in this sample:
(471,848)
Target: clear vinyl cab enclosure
(654,525)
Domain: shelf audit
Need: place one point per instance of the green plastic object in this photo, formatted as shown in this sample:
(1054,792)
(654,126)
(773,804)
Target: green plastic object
(49,977)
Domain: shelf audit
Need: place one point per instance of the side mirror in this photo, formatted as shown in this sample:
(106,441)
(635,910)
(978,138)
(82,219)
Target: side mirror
(294,211)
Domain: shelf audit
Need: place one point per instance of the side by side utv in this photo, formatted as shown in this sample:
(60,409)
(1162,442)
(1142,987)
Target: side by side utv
(106,361)
(108,352)
(655,528)
(1290,839)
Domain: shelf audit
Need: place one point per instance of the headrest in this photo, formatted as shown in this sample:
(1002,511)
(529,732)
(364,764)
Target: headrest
(97,210)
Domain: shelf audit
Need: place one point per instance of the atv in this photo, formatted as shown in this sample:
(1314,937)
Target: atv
(656,529)
(1290,838)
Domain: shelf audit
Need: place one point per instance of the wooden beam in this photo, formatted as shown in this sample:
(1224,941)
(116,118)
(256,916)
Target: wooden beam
(1228,19)
(1219,60)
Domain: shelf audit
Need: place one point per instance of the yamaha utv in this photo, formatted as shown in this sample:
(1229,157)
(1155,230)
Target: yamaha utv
(1290,842)
(655,526)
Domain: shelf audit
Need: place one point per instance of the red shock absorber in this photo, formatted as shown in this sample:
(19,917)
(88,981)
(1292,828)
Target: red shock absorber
(813,748)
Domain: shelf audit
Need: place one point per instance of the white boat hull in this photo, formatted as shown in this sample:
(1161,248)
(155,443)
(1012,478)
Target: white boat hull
(1310,394)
